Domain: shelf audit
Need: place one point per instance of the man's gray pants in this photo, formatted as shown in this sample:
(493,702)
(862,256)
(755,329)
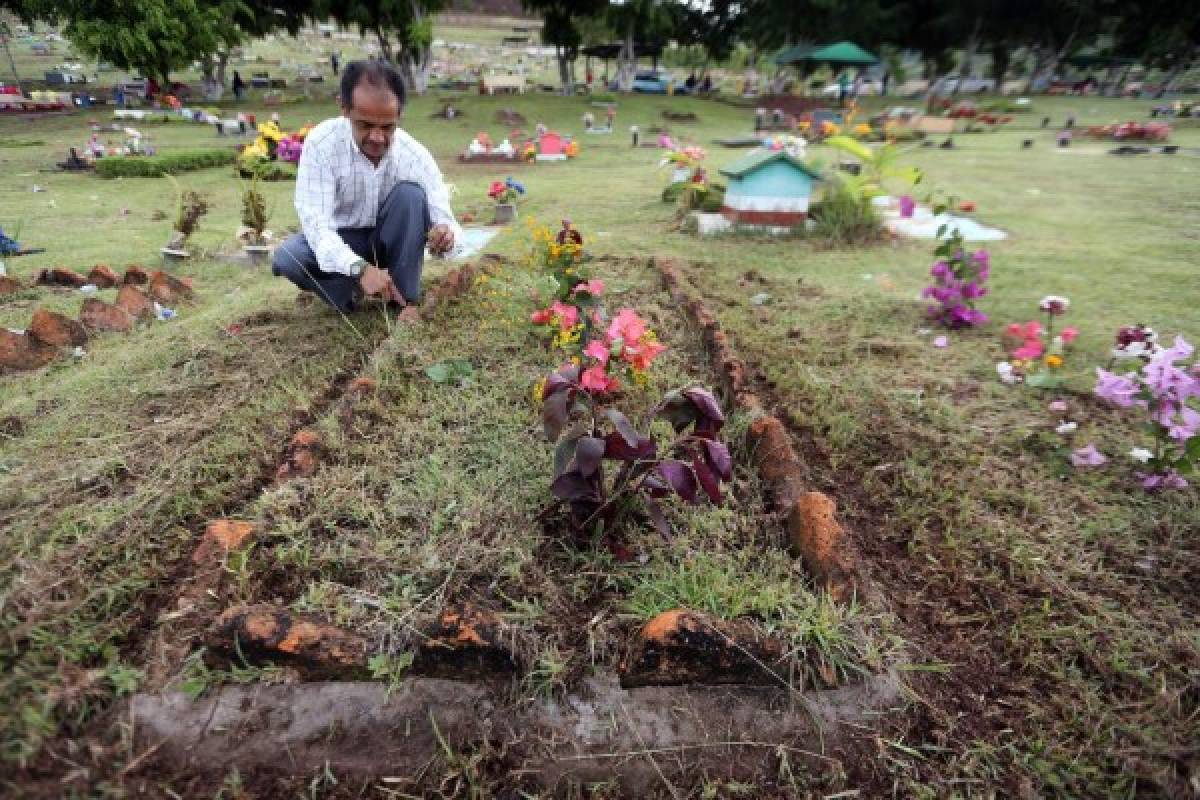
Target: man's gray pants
(395,244)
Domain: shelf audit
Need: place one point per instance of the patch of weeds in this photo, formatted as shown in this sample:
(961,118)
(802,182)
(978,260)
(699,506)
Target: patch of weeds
(453,371)
(390,669)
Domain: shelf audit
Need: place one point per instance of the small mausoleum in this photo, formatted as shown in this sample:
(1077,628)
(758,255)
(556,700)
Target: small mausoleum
(769,188)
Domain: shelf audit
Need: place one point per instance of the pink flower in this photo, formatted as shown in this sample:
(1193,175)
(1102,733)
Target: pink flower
(541,317)
(1014,329)
(1032,330)
(594,287)
(567,314)
(1088,457)
(941,341)
(594,379)
(597,350)
(1069,334)
(1030,350)
(642,354)
(627,325)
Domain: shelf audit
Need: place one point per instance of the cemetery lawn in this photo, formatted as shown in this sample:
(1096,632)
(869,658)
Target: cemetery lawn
(1045,617)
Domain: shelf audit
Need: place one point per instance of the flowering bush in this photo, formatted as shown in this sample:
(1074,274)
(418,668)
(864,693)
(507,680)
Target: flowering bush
(958,280)
(586,434)
(506,191)
(1167,390)
(1037,354)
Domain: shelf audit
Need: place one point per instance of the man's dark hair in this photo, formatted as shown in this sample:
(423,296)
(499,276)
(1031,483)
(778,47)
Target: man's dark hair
(379,74)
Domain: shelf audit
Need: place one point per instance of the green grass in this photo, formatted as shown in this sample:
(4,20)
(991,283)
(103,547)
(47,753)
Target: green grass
(1065,599)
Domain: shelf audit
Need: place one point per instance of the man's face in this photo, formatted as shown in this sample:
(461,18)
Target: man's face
(373,116)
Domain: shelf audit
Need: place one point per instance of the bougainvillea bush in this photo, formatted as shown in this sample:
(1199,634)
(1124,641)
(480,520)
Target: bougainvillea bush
(1167,390)
(958,281)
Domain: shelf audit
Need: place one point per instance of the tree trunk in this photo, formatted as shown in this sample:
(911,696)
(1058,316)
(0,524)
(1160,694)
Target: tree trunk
(11,61)
(1001,58)
(1177,69)
(564,74)
(385,46)
(931,69)
(968,56)
(222,65)
(1043,56)
(627,61)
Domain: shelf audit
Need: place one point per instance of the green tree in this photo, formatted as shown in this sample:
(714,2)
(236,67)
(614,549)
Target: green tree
(403,29)
(1164,33)
(152,37)
(560,29)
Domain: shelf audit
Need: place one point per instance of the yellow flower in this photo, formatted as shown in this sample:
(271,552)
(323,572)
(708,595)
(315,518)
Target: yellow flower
(1054,362)
(539,390)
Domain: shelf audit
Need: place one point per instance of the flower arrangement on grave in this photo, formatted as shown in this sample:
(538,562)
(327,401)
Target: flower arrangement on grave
(580,417)
(1167,390)
(684,161)
(572,148)
(1149,131)
(529,152)
(272,144)
(1037,354)
(958,281)
(506,191)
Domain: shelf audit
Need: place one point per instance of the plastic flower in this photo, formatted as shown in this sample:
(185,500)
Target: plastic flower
(541,317)
(598,350)
(594,287)
(1141,454)
(643,353)
(627,325)
(1007,373)
(566,314)
(594,379)
(1069,334)
(1088,457)
(516,185)
(1054,304)
(1030,350)
(1054,362)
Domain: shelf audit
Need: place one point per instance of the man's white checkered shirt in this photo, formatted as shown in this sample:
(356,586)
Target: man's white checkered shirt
(338,187)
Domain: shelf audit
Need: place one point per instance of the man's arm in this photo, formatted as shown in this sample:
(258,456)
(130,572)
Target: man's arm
(316,190)
(437,196)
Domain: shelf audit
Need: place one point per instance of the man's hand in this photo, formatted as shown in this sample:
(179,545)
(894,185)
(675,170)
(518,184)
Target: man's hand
(375,281)
(441,239)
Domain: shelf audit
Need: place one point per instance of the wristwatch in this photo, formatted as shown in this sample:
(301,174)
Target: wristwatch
(356,269)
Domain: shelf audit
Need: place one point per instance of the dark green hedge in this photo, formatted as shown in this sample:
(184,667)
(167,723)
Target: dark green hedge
(165,164)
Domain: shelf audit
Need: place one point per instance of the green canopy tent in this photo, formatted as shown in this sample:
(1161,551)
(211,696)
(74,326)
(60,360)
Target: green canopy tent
(840,54)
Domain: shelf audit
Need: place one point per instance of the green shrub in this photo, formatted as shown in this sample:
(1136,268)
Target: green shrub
(268,171)
(844,216)
(166,164)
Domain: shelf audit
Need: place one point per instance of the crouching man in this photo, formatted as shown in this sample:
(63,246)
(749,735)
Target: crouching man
(370,198)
